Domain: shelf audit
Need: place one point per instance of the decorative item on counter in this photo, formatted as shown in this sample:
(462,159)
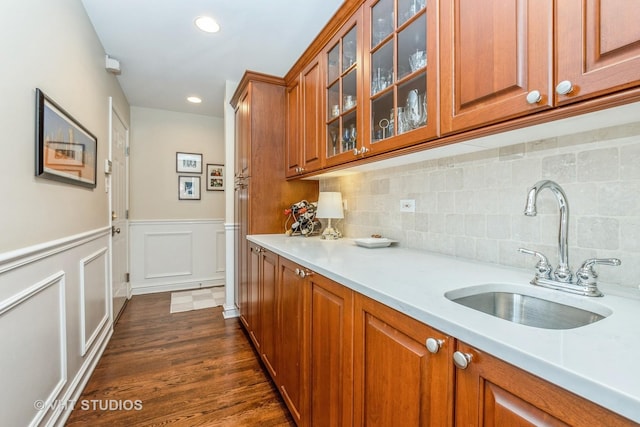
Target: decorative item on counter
(374,242)
(303,217)
(330,207)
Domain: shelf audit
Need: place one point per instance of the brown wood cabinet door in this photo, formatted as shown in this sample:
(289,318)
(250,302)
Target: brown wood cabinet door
(398,382)
(293,366)
(331,353)
(598,46)
(490,392)
(400,73)
(294,124)
(268,312)
(343,97)
(312,113)
(494,53)
(253,295)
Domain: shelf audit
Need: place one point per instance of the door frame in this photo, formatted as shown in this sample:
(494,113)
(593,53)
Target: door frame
(113,110)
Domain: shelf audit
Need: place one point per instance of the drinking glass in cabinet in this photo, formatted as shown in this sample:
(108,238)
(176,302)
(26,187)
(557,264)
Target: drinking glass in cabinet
(333,135)
(381,21)
(349,138)
(412,44)
(381,79)
(349,101)
(408,8)
(349,49)
(417,60)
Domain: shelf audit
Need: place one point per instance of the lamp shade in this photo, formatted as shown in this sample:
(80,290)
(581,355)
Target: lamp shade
(329,205)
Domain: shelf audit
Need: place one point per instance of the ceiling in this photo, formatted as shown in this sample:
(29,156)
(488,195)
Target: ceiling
(164,58)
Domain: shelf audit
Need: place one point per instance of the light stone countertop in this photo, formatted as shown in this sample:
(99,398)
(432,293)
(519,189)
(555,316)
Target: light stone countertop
(599,361)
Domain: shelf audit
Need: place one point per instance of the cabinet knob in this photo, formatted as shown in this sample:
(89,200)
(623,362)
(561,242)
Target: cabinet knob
(462,360)
(301,170)
(434,345)
(304,273)
(564,87)
(534,97)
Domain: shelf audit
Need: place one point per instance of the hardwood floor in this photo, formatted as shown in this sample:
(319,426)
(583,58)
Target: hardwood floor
(185,369)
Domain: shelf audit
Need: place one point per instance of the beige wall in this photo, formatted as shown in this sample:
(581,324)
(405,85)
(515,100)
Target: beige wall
(472,205)
(156,136)
(50,45)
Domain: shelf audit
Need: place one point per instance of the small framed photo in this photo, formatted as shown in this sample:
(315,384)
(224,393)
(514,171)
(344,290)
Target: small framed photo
(188,187)
(215,177)
(189,162)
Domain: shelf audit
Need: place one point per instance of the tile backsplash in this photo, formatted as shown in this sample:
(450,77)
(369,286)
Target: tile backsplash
(471,205)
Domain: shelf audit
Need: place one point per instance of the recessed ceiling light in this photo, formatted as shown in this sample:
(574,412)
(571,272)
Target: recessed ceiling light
(207,24)
(194,99)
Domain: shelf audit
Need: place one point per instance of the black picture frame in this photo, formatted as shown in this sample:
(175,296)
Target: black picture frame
(215,177)
(189,163)
(65,150)
(188,187)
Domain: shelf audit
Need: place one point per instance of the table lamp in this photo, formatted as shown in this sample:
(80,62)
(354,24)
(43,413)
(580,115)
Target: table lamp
(330,207)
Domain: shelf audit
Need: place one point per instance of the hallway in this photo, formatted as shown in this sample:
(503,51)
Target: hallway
(186,369)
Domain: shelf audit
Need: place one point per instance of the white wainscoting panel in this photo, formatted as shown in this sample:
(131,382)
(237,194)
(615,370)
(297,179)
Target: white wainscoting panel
(94,297)
(38,317)
(168,254)
(52,325)
(172,255)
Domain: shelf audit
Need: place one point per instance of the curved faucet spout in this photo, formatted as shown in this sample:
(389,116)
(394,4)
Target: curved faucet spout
(563,272)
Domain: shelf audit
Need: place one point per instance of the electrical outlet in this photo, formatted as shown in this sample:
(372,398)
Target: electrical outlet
(407,205)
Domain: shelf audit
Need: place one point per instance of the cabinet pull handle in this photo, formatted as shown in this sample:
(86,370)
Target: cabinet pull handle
(564,87)
(298,271)
(462,360)
(534,97)
(434,345)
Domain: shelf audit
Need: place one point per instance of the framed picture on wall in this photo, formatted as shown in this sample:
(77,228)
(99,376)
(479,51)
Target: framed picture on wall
(188,187)
(188,162)
(65,150)
(215,177)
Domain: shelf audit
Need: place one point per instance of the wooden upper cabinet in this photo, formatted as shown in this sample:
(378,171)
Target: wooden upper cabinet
(305,125)
(598,46)
(400,73)
(342,85)
(494,54)
(293,149)
(490,392)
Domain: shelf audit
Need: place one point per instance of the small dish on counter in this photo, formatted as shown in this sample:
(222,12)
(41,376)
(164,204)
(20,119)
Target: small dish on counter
(374,242)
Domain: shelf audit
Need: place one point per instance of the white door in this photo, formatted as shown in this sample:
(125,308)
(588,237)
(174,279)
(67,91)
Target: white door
(119,212)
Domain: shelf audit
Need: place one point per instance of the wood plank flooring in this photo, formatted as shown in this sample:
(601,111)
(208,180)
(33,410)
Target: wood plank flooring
(186,369)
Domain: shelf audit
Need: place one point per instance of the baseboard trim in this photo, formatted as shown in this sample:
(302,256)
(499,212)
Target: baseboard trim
(230,311)
(76,387)
(171,287)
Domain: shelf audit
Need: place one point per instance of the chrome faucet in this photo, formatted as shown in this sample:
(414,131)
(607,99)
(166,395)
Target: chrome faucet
(585,282)
(563,272)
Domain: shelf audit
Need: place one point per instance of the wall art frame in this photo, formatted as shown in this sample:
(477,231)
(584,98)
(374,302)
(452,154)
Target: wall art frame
(215,177)
(188,162)
(65,150)
(188,187)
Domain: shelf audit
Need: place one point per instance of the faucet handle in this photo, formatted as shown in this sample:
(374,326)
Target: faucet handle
(543,269)
(587,275)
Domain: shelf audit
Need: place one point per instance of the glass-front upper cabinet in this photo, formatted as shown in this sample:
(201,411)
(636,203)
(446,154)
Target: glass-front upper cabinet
(343,65)
(400,84)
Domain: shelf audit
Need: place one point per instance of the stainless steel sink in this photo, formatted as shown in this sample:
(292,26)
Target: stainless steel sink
(528,309)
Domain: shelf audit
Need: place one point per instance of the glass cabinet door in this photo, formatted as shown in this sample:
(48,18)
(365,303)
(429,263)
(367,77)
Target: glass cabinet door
(342,94)
(400,80)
